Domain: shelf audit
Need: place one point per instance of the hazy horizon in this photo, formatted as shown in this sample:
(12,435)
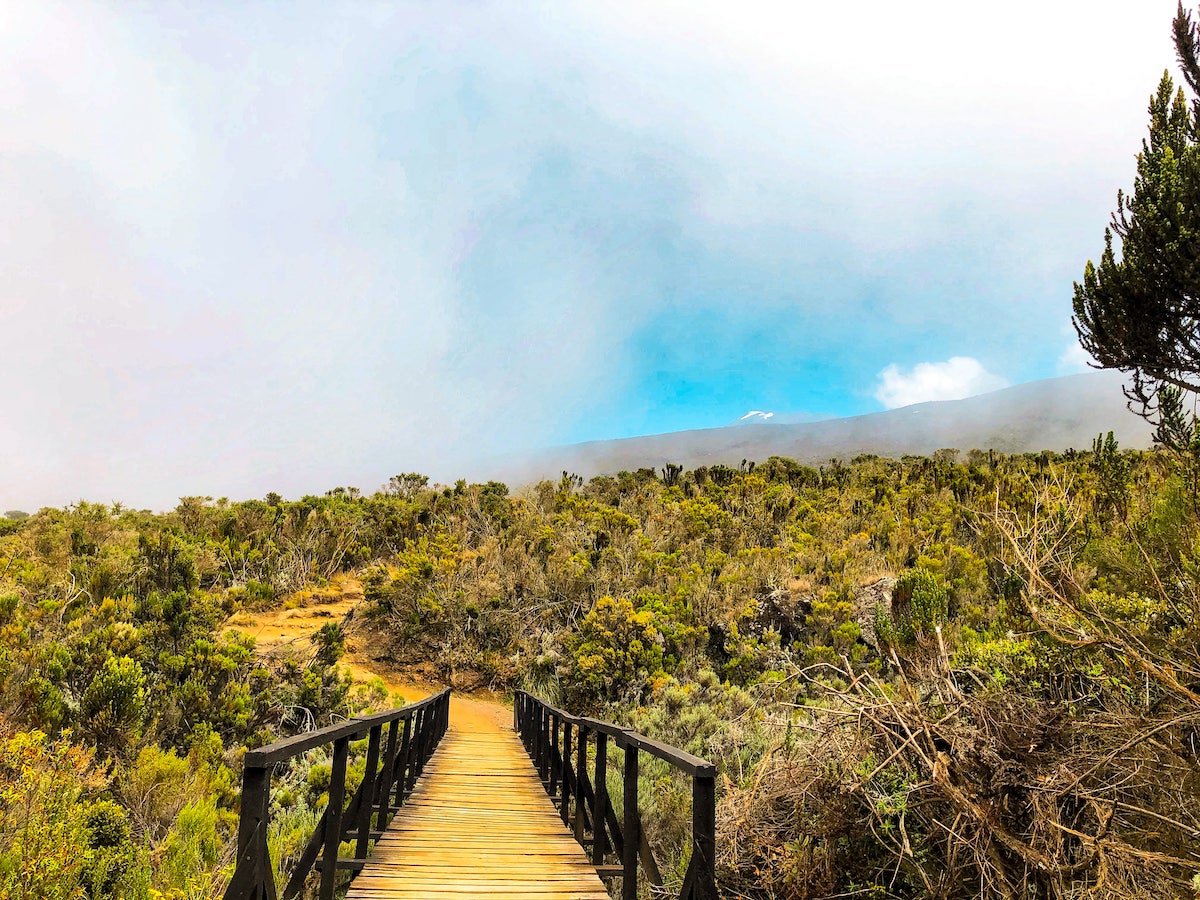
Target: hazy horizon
(521,469)
(268,247)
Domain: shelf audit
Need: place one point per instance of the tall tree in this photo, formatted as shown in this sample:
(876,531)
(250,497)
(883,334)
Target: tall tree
(1140,313)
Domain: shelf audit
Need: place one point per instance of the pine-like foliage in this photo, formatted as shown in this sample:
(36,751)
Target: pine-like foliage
(1140,313)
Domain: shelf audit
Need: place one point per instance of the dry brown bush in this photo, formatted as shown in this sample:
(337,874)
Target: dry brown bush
(914,788)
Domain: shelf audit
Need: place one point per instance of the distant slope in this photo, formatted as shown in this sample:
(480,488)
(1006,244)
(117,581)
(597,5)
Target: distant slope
(1054,414)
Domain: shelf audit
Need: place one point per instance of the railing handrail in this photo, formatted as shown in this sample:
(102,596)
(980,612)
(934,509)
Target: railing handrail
(288,747)
(624,737)
(681,759)
(562,766)
(390,773)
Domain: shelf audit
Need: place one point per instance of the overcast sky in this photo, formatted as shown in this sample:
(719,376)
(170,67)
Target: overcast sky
(286,246)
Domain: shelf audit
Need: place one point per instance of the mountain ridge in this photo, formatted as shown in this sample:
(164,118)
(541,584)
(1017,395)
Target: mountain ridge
(1049,414)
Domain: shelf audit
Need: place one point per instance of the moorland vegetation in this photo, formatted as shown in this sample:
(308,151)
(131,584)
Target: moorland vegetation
(958,676)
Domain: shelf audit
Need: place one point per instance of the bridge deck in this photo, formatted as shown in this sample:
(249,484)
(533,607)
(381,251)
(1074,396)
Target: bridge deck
(478,823)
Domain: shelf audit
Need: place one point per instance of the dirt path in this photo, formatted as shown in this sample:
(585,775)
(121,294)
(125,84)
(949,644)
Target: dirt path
(292,625)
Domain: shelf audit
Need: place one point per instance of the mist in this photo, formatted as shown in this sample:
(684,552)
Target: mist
(285,248)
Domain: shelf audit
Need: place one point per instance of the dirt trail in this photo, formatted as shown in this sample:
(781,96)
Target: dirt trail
(293,623)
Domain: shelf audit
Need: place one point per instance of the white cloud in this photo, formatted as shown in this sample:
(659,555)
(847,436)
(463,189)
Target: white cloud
(957,377)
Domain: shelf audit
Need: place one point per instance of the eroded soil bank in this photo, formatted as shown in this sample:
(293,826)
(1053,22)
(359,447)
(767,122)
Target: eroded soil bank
(292,624)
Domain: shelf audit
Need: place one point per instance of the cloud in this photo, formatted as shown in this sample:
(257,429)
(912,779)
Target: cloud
(957,377)
(248,249)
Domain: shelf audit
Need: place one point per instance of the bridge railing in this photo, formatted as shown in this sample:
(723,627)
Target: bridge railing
(557,743)
(393,763)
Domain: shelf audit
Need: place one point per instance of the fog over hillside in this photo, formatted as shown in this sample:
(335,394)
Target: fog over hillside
(1053,414)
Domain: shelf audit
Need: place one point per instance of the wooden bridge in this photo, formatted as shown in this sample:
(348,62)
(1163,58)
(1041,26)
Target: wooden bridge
(443,812)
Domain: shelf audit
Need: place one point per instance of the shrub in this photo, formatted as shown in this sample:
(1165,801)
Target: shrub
(114,704)
(616,651)
(920,604)
(44,837)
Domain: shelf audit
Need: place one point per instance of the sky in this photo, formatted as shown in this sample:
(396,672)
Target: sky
(252,247)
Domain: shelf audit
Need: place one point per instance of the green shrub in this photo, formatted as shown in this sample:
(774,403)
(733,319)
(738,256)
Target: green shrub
(44,838)
(114,705)
(920,605)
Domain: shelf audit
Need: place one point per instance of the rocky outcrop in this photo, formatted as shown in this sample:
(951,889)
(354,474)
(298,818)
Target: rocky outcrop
(866,599)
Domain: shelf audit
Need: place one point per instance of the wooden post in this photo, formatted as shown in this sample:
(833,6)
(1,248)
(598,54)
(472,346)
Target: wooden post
(631,828)
(402,762)
(555,759)
(253,870)
(600,806)
(536,727)
(539,762)
(414,740)
(383,790)
(580,775)
(568,789)
(546,761)
(333,818)
(422,727)
(256,784)
(418,744)
(365,806)
(704,836)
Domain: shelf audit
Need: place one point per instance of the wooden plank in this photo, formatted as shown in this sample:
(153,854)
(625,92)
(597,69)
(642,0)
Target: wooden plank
(478,822)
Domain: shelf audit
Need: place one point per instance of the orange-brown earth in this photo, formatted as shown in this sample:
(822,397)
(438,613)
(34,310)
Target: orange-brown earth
(290,626)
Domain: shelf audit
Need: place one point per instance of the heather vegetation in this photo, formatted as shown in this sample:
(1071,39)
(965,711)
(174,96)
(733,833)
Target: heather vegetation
(958,676)
(124,704)
(933,677)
